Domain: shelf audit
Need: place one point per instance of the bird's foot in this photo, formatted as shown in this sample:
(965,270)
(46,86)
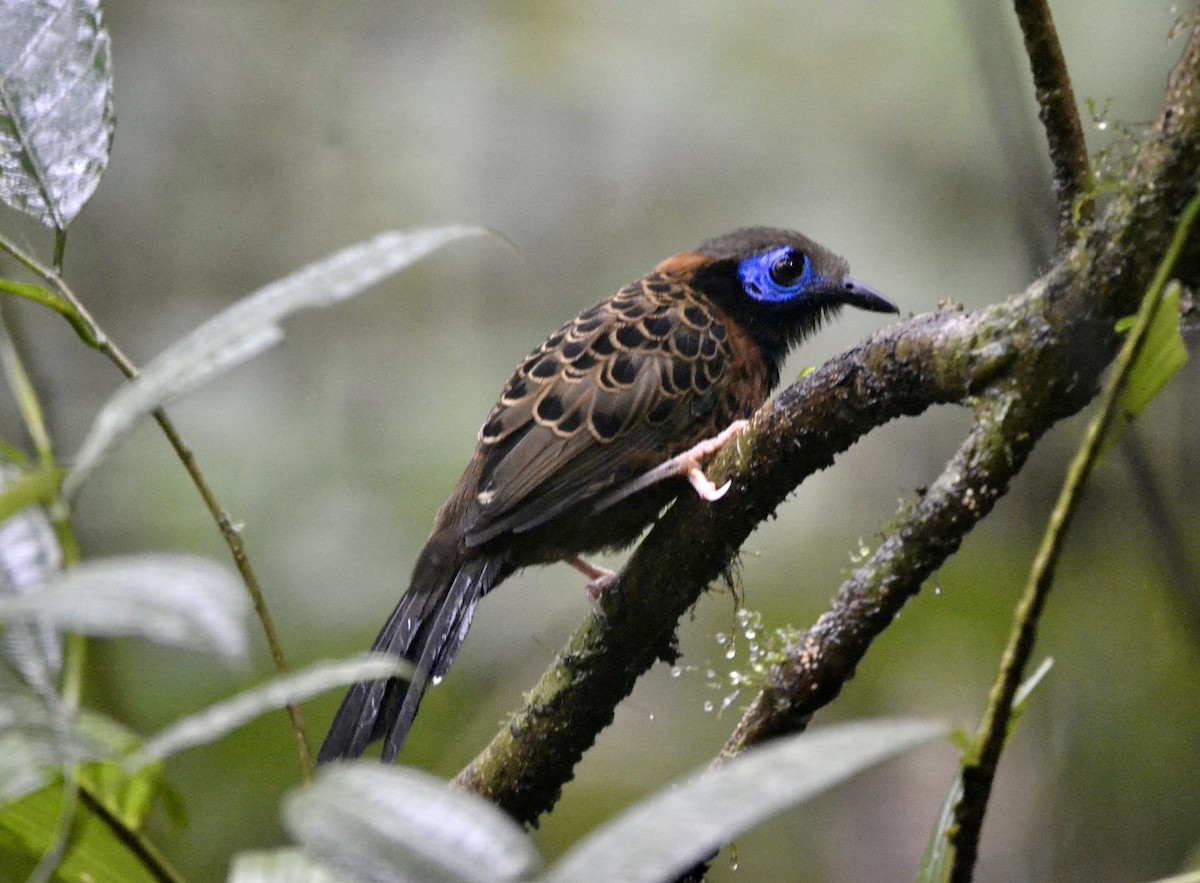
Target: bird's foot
(686,465)
(600,577)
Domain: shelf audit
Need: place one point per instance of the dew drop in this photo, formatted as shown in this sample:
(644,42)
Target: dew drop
(708,706)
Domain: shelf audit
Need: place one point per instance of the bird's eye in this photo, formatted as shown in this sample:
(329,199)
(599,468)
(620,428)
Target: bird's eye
(777,276)
(788,269)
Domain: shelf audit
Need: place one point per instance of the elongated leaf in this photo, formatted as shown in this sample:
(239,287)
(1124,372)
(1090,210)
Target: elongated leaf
(26,765)
(223,718)
(20,490)
(29,556)
(39,294)
(56,106)
(35,744)
(1162,356)
(29,827)
(396,824)
(248,328)
(38,738)
(172,599)
(665,835)
(281,866)
(128,797)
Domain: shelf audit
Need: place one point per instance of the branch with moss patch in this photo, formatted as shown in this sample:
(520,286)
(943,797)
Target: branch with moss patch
(1023,365)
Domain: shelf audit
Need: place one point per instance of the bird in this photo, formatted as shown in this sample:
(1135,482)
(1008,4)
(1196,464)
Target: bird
(594,434)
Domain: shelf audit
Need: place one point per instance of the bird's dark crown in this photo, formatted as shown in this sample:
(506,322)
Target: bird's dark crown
(750,241)
(779,285)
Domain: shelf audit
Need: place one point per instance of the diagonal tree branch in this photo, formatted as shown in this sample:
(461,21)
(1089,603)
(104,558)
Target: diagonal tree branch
(925,534)
(1071,350)
(942,357)
(1022,365)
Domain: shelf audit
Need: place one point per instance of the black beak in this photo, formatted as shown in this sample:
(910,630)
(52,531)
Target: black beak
(858,295)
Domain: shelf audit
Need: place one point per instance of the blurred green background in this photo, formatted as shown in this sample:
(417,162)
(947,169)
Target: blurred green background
(600,137)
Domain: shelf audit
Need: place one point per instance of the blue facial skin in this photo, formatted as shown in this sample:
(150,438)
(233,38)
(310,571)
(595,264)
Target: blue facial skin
(760,283)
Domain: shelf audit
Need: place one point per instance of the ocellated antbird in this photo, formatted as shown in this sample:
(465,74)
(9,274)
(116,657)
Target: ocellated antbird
(597,430)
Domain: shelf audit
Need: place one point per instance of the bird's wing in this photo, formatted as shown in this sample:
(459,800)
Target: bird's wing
(628,383)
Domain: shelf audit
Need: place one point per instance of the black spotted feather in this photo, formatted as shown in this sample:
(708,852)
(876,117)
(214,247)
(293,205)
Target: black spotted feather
(589,408)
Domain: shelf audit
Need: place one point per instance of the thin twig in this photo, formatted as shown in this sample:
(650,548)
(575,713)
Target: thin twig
(1059,115)
(229,532)
(982,758)
(60,248)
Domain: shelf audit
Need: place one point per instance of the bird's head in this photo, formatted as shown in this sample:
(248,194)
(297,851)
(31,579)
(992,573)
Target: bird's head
(777,284)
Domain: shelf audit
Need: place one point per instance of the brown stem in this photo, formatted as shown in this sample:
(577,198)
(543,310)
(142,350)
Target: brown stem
(1059,115)
(95,336)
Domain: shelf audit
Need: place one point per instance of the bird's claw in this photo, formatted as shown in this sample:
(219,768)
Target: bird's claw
(705,489)
(600,578)
(686,465)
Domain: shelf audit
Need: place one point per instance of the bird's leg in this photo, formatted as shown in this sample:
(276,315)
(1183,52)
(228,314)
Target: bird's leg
(601,577)
(686,464)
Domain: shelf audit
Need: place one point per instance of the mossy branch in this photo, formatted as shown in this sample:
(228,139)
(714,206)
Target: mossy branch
(1022,365)
(983,756)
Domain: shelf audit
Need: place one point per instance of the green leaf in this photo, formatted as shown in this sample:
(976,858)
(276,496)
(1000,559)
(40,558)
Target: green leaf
(181,600)
(939,856)
(248,328)
(223,718)
(28,490)
(36,740)
(396,824)
(281,866)
(30,554)
(54,301)
(30,826)
(129,797)
(665,835)
(1161,357)
(56,107)
(38,294)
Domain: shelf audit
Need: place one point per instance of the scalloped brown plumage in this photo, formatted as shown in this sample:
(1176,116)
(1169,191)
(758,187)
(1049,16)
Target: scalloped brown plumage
(667,362)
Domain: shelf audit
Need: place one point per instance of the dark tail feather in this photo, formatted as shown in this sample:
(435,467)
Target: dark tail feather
(426,628)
